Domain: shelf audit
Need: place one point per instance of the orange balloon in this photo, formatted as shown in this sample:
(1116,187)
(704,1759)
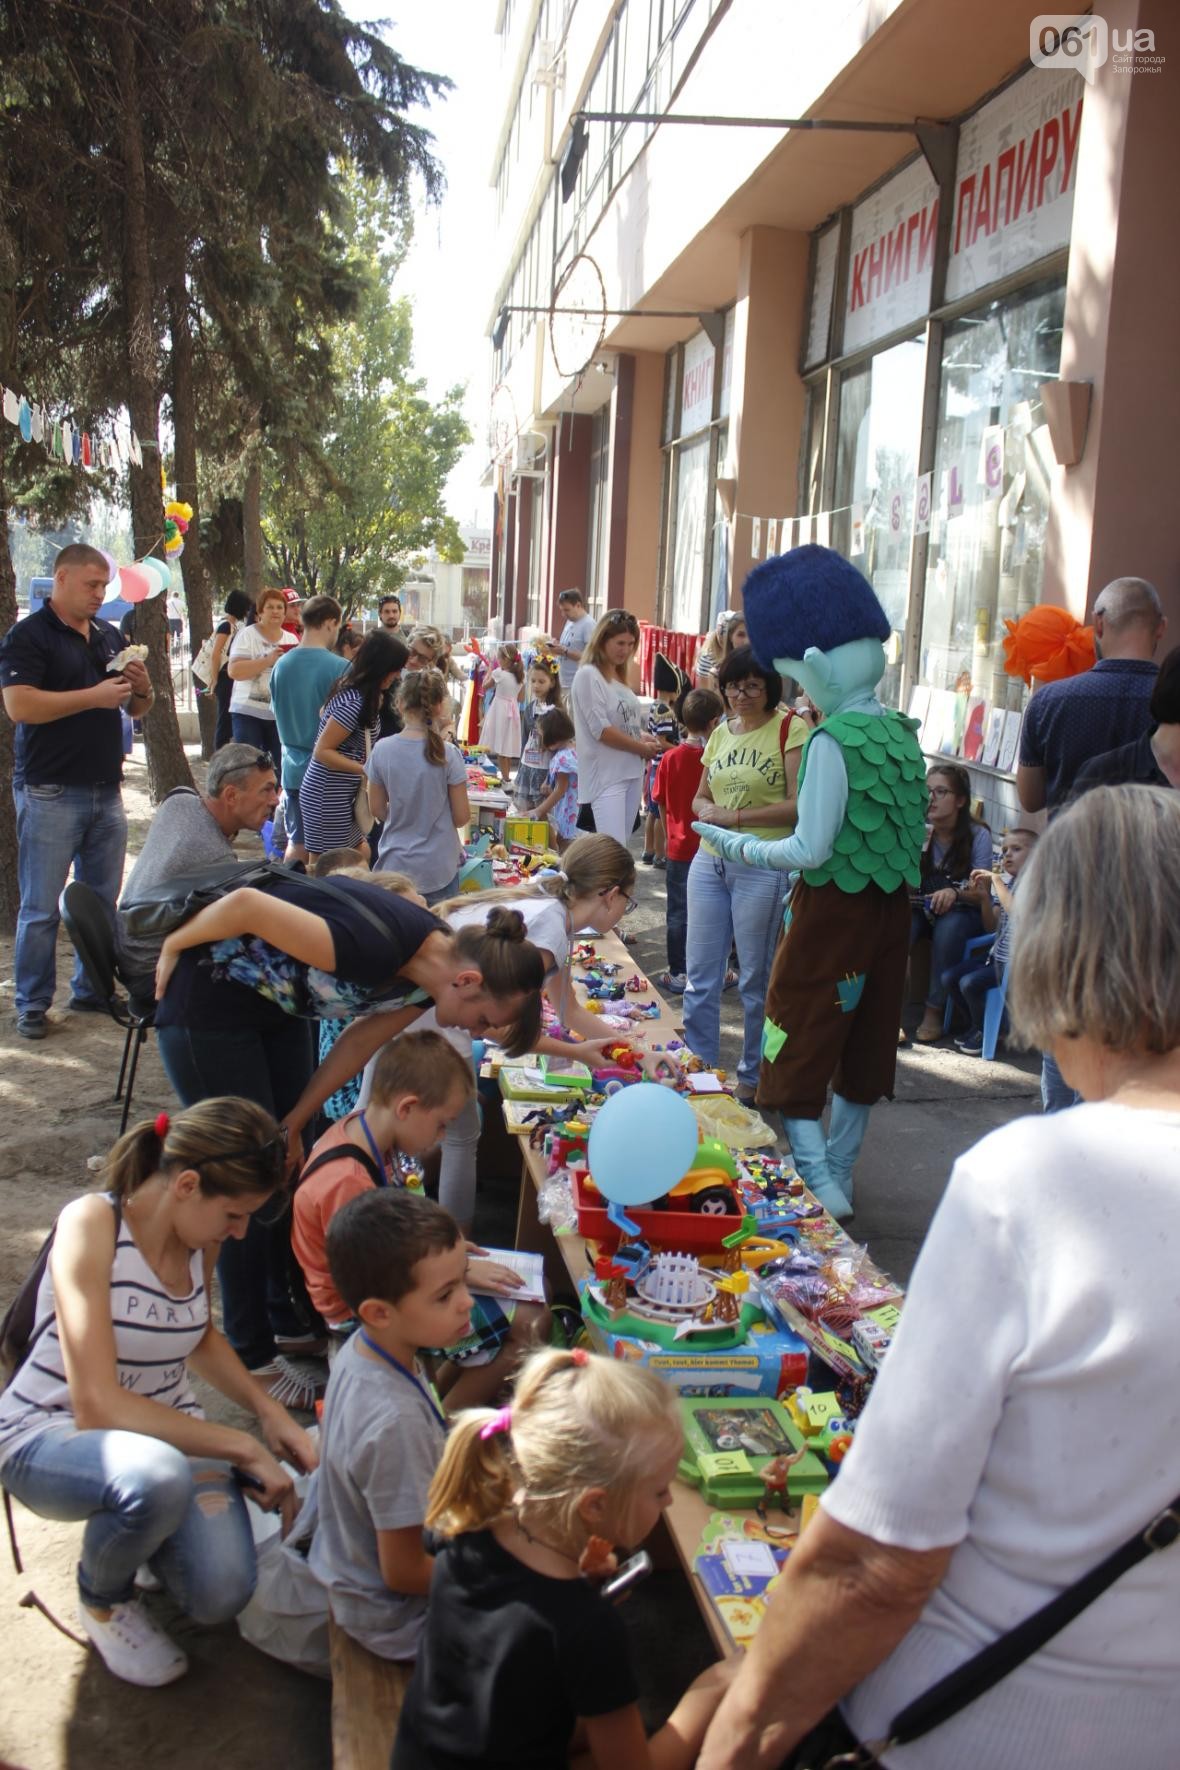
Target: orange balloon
(1048,643)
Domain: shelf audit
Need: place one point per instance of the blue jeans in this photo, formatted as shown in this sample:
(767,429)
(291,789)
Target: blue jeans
(262,1291)
(444,891)
(730,903)
(676,877)
(1056,1093)
(948,936)
(58,827)
(293,816)
(967,985)
(262,733)
(143,1500)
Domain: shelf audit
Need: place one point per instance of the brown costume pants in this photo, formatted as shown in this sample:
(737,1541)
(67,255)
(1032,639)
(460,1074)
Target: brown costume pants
(835,992)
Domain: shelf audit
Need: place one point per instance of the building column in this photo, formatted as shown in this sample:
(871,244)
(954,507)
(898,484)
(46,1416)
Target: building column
(641,548)
(522,509)
(767,400)
(1113,514)
(569,512)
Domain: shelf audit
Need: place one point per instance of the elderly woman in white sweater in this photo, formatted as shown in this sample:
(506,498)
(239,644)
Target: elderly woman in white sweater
(1026,1419)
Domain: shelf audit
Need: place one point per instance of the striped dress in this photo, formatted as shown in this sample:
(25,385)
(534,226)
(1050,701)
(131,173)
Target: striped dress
(155,1332)
(326,796)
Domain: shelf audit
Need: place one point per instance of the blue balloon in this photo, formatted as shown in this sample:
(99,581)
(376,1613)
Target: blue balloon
(641,1143)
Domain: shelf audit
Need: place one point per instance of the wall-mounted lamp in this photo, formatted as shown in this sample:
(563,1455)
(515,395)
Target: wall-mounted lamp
(1067,413)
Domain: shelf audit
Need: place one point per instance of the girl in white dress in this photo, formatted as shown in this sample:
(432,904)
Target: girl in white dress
(501,731)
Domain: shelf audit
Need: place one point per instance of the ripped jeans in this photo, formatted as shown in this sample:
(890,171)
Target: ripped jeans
(143,1501)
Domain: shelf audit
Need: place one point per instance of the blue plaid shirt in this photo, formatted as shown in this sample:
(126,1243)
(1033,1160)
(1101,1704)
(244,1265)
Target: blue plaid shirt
(1066,723)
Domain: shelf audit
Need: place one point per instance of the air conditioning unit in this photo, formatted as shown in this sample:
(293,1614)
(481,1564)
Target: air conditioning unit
(550,65)
(528,454)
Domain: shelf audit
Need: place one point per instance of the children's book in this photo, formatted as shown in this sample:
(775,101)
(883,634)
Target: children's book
(530,1267)
(740,1559)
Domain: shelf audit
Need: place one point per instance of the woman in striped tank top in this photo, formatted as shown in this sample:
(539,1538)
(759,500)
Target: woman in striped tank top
(100,1422)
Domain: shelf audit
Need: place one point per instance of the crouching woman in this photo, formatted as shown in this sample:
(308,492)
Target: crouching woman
(100,1421)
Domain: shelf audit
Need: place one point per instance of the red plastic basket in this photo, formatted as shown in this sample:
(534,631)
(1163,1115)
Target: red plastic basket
(684,1231)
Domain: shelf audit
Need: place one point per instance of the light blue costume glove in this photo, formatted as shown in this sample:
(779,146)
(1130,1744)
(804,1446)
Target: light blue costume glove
(750,850)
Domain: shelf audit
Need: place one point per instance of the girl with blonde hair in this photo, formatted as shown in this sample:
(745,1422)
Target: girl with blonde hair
(418,786)
(530,1502)
(100,1422)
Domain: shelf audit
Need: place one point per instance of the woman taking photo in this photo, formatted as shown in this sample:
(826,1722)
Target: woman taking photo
(612,746)
(1055,1232)
(592,890)
(949,913)
(239,985)
(349,726)
(100,1421)
(253,653)
(749,780)
(418,786)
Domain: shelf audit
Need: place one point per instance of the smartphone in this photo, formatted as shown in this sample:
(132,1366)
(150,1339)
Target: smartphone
(628,1576)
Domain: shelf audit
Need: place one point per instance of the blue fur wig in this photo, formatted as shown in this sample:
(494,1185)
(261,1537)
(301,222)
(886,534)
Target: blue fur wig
(810,596)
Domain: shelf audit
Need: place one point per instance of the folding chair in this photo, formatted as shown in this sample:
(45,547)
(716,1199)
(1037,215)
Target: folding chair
(88,925)
(993,1005)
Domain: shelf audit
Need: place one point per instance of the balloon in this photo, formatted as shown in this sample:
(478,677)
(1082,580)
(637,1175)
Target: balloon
(641,1143)
(112,565)
(136,584)
(157,571)
(114,589)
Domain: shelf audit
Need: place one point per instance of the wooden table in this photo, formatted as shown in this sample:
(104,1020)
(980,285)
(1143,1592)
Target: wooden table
(567,1259)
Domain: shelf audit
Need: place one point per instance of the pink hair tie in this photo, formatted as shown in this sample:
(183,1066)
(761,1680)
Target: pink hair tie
(161,1125)
(580,1356)
(499,1422)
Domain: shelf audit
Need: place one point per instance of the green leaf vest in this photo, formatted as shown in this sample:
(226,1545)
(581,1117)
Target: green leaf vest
(880,840)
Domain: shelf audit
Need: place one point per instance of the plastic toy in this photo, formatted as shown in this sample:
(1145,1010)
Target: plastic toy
(775,1478)
(729,1444)
(636,985)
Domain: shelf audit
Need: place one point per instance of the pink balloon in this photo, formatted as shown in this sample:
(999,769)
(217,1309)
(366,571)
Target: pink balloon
(137,584)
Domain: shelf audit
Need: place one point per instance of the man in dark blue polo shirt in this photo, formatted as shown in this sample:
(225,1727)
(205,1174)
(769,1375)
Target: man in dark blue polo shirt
(1154,759)
(68,767)
(1067,723)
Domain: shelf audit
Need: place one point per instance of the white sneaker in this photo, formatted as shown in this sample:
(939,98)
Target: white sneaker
(146,1580)
(132,1647)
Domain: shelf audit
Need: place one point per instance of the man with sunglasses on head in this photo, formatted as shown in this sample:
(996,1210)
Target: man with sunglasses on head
(67,768)
(191,831)
(575,636)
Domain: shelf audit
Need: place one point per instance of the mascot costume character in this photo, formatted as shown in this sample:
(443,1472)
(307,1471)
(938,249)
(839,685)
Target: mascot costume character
(835,991)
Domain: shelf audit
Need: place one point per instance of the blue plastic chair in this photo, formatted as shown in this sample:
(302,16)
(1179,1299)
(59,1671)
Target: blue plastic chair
(993,1006)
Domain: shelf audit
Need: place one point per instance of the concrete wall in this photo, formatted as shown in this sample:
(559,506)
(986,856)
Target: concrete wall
(642,555)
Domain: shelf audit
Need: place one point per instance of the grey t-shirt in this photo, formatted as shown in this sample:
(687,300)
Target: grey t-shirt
(419,837)
(575,635)
(183,838)
(381,1443)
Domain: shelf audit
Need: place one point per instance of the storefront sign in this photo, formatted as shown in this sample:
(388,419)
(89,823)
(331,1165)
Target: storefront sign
(696,387)
(891,256)
(819,328)
(1015,180)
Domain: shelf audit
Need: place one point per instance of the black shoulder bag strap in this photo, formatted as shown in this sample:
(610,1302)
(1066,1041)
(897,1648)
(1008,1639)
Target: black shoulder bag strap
(345,1151)
(986,1668)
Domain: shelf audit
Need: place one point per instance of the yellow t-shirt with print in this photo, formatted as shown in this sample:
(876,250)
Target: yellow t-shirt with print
(745,770)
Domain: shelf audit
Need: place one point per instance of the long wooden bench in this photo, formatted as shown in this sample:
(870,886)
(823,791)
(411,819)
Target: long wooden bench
(367,1697)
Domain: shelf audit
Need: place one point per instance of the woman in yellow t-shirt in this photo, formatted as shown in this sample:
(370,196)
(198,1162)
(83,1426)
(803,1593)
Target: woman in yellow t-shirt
(751,770)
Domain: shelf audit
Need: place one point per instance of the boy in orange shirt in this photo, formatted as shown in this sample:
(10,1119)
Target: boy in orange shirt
(420,1083)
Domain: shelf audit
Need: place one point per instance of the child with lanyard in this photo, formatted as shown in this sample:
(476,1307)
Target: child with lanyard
(399,1262)
(544,695)
(528,1504)
(421,1084)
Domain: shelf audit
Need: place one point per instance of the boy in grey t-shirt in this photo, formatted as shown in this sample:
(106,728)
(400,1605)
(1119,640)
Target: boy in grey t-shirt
(399,1262)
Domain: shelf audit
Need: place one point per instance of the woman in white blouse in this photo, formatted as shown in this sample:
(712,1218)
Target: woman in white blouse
(612,747)
(1026,1419)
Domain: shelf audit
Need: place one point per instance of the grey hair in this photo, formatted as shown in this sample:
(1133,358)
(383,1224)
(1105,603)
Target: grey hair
(231,760)
(1096,925)
(1125,600)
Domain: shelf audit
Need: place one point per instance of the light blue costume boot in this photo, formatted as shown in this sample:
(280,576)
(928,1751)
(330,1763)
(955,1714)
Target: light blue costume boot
(846,1133)
(809,1147)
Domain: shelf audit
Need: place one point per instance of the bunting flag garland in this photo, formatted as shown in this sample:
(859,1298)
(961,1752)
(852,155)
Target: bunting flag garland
(68,443)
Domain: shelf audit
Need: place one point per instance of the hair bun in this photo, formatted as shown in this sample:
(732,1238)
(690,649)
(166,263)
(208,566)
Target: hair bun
(505,924)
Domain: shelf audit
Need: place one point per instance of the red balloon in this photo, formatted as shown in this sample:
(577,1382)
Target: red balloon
(137,585)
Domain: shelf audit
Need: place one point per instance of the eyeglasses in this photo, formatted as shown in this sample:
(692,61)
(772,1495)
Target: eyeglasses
(746,690)
(632,903)
(941,792)
(425,658)
(271,1158)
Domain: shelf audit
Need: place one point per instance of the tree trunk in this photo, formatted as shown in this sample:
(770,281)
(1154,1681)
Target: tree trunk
(167,763)
(9,890)
(252,526)
(198,591)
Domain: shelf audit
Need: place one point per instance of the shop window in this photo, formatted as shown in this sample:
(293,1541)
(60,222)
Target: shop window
(986,556)
(879,422)
(690,536)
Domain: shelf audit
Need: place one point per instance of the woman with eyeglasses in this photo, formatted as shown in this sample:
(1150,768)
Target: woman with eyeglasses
(947,912)
(749,782)
(100,1422)
(613,747)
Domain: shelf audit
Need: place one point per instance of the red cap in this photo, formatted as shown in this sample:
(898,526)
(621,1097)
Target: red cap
(290,595)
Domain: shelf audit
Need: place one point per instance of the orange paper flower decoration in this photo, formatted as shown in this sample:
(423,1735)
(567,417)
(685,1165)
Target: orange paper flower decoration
(1048,643)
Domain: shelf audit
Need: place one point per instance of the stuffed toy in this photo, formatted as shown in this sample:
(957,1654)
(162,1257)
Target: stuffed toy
(835,992)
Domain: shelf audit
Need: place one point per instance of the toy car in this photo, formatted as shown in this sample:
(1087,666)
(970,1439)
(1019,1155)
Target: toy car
(710,1186)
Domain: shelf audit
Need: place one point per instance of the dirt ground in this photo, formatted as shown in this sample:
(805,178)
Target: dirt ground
(58,1705)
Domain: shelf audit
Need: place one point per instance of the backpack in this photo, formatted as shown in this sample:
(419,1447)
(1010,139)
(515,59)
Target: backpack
(163,907)
(18,1329)
(354,1154)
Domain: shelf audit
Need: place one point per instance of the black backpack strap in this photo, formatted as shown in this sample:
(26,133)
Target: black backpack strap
(986,1668)
(353,1153)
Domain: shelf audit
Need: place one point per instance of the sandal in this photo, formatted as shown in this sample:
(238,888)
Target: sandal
(930,1030)
(731,980)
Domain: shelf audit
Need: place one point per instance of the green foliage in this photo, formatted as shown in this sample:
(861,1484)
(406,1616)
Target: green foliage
(348,513)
